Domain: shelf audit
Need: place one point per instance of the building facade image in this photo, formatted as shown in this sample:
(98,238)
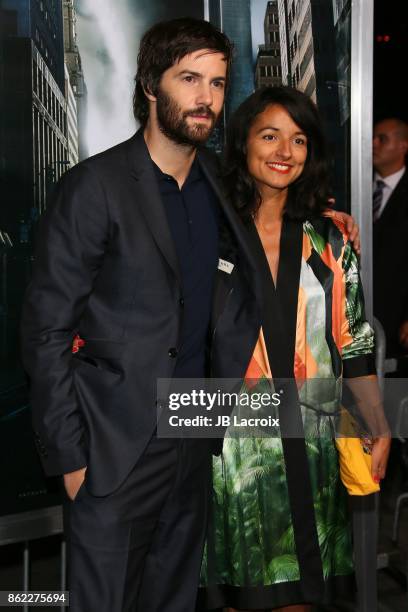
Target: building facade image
(35,111)
(342,20)
(72,121)
(297,46)
(233,17)
(41,20)
(268,69)
(33,128)
(312,63)
(76,80)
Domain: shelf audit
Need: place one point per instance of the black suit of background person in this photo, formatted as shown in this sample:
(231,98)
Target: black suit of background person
(390,238)
(127,256)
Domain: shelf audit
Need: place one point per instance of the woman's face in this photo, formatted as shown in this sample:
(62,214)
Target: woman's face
(276,150)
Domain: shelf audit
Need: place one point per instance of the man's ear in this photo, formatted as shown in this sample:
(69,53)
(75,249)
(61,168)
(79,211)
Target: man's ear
(148,92)
(404,146)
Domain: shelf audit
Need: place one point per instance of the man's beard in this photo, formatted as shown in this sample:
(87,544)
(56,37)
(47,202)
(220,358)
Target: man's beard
(173,122)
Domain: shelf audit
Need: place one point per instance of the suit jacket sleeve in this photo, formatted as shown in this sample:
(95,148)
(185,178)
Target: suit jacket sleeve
(70,248)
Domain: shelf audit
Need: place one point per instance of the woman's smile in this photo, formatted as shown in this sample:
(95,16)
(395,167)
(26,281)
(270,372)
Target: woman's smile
(279,167)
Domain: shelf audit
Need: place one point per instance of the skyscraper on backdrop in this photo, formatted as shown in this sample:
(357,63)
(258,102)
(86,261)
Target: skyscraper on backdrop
(313,37)
(233,17)
(342,29)
(268,69)
(76,92)
(36,136)
(33,110)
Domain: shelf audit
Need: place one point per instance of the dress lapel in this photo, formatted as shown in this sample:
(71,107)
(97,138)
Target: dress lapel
(149,200)
(279,328)
(287,286)
(280,303)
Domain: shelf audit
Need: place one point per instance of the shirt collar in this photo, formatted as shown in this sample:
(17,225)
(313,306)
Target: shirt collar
(391,180)
(195,173)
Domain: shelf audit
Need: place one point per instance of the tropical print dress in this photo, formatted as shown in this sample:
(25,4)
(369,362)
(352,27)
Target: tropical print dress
(279,527)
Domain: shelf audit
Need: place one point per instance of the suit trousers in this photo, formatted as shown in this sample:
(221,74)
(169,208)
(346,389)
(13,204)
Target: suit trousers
(140,547)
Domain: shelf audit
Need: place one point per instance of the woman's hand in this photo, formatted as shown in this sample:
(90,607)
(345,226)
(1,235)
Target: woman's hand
(379,457)
(352,228)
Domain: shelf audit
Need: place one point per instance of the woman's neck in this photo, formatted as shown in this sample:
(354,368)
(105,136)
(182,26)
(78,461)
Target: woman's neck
(271,209)
(268,222)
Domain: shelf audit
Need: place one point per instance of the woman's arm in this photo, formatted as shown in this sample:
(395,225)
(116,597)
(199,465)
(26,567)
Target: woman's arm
(358,363)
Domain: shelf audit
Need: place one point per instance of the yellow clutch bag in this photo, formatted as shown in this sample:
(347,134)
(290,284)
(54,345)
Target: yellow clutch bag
(355,458)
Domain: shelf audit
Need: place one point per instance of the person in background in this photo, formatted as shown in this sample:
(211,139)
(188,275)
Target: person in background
(390,232)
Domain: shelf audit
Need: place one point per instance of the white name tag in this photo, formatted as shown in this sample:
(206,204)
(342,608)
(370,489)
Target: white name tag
(225,266)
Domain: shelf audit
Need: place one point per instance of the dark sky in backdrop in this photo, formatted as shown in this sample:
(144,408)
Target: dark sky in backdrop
(158,10)
(390,58)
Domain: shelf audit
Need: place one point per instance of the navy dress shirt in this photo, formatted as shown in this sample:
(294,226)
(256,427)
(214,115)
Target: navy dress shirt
(193,217)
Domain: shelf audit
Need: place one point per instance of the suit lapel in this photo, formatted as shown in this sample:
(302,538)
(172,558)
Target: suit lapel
(149,199)
(212,173)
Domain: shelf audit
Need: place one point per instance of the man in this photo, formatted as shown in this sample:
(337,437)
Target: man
(126,259)
(390,244)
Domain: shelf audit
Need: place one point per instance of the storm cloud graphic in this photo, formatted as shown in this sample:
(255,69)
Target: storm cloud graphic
(109,34)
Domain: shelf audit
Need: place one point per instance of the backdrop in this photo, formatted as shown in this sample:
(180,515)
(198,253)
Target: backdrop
(66,82)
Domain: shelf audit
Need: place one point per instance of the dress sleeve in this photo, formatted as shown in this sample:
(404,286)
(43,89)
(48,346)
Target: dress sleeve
(357,334)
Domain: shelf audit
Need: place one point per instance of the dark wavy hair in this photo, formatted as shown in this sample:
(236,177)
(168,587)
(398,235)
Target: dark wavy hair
(167,43)
(308,195)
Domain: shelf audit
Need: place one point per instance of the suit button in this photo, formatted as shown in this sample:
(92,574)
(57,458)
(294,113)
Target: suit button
(181,302)
(173,352)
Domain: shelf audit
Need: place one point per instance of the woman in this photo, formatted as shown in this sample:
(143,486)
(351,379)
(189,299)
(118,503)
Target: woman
(279,534)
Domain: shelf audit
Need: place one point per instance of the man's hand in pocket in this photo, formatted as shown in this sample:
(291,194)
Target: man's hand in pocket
(73,481)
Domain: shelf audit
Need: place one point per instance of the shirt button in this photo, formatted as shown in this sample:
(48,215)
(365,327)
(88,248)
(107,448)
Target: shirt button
(173,352)
(181,302)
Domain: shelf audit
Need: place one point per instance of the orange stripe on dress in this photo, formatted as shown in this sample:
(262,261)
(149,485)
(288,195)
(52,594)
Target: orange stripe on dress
(340,331)
(259,365)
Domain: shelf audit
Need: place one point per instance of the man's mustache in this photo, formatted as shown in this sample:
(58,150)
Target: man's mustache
(201,110)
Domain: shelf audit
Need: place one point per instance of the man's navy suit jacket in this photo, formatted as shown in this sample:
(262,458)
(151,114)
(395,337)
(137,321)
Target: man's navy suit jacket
(106,269)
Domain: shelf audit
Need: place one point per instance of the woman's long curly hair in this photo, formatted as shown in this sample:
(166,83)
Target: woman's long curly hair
(307,196)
